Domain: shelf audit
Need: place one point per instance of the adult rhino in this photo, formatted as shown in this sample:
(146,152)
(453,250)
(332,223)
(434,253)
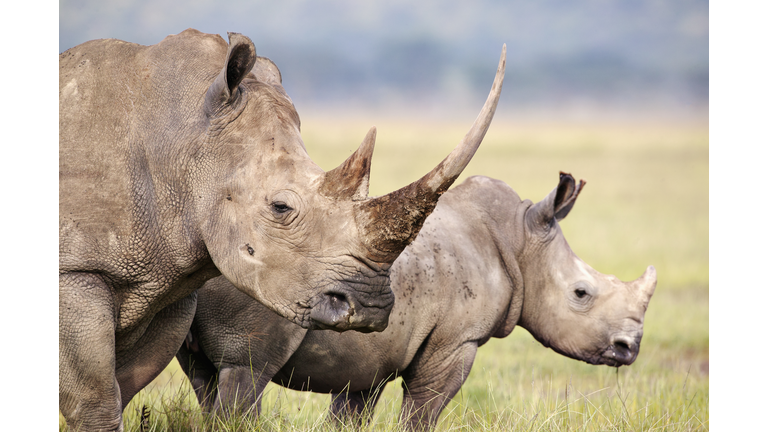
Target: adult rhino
(183,161)
(484,262)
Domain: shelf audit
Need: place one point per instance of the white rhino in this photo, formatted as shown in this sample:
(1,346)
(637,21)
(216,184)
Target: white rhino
(183,161)
(484,262)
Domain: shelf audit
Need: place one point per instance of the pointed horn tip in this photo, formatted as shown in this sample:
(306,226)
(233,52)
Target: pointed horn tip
(648,274)
(503,59)
(369,141)
(648,280)
(650,271)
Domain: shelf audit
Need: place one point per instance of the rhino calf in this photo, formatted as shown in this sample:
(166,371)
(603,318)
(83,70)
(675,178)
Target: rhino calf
(483,262)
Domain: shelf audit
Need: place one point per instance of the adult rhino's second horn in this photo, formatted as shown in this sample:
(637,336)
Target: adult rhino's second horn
(389,223)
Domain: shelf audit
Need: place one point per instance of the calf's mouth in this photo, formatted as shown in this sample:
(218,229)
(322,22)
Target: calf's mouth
(622,351)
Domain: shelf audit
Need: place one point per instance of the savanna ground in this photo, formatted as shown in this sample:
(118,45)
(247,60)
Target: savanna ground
(646,202)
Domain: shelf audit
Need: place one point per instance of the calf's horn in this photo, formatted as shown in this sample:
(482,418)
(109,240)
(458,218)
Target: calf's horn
(389,223)
(646,284)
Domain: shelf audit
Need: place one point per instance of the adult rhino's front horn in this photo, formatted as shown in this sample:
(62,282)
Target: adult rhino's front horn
(390,222)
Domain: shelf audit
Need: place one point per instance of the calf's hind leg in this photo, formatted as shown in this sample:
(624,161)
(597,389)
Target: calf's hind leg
(240,389)
(199,369)
(431,381)
(353,407)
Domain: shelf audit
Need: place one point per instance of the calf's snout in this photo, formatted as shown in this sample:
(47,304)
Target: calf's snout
(623,350)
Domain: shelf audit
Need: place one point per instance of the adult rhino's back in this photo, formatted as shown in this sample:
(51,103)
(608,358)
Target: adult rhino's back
(94,123)
(128,114)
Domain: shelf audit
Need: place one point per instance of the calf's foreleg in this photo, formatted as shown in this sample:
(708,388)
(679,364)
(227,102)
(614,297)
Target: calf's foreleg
(431,381)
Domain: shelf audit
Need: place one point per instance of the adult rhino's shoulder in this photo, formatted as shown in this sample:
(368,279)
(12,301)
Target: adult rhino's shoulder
(197,38)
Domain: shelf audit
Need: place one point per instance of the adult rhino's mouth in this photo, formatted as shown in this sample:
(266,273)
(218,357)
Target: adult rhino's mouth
(341,310)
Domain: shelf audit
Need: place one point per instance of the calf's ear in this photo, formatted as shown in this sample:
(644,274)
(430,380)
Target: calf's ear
(241,56)
(558,203)
(567,192)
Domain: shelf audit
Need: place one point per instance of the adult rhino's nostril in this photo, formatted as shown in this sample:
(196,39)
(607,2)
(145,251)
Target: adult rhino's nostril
(338,301)
(333,311)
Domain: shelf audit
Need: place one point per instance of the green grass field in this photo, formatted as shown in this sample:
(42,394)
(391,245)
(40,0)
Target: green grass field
(646,202)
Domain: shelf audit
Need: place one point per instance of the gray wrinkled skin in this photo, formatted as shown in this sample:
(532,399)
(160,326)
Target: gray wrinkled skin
(183,161)
(484,262)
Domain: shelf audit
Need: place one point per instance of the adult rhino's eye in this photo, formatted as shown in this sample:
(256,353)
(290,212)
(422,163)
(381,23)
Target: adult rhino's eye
(280,207)
(580,292)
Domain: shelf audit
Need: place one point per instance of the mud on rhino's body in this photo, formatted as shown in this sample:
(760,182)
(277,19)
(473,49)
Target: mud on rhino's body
(183,161)
(484,262)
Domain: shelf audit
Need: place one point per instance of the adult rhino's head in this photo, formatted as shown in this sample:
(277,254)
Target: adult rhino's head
(568,305)
(309,244)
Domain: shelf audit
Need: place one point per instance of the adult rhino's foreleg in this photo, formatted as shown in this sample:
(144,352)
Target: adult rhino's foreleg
(141,362)
(353,407)
(431,381)
(89,394)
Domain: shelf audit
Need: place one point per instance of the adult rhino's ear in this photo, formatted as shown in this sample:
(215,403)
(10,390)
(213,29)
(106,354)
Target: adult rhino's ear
(558,203)
(241,56)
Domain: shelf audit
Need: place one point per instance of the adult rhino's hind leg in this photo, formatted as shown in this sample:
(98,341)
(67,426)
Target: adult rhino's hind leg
(431,381)
(89,394)
(353,408)
(141,362)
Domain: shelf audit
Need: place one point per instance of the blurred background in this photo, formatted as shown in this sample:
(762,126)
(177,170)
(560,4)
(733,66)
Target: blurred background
(575,59)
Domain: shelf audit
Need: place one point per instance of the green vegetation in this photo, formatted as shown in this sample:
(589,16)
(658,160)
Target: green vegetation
(646,202)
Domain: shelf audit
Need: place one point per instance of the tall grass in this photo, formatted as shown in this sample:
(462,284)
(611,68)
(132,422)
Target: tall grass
(646,202)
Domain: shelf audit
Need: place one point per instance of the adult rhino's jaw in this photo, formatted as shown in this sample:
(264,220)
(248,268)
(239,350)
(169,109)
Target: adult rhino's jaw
(341,311)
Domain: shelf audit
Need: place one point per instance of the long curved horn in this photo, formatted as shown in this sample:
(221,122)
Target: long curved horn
(389,223)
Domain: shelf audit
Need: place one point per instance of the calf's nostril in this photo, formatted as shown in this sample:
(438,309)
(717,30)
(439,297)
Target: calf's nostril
(624,351)
(621,346)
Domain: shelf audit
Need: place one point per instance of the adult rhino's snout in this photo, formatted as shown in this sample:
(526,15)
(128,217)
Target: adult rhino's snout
(338,311)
